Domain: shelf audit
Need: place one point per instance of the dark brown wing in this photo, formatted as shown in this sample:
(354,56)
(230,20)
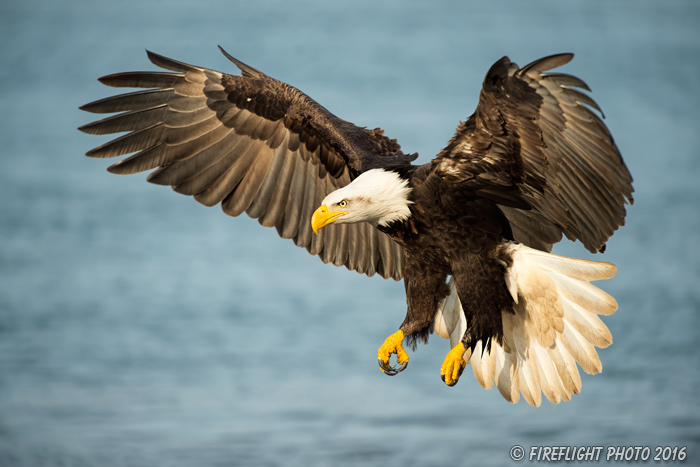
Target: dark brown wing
(253,144)
(535,147)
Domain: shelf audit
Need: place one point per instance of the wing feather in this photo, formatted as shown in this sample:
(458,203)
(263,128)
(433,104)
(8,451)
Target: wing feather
(304,237)
(139,100)
(273,214)
(132,142)
(292,213)
(262,198)
(128,121)
(242,195)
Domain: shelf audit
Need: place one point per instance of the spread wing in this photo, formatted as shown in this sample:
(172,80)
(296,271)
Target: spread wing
(251,143)
(535,147)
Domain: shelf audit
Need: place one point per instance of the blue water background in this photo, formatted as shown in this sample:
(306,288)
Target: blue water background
(138,328)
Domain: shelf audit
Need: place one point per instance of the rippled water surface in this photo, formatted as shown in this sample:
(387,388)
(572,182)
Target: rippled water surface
(138,328)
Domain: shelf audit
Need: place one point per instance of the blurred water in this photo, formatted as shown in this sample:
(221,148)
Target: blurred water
(138,328)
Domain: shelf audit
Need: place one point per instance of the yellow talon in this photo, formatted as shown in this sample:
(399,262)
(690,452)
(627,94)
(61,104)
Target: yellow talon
(392,345)
(453,365)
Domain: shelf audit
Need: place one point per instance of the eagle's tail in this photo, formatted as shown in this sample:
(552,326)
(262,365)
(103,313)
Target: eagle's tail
(555,325)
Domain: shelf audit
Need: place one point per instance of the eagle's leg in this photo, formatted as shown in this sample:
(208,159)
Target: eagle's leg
(393,345)
(482,305)
(425,287)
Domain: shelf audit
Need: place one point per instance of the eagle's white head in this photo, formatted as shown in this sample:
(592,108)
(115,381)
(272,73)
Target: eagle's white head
(377,196)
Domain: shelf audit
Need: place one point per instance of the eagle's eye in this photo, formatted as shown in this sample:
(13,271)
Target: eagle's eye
(343,203)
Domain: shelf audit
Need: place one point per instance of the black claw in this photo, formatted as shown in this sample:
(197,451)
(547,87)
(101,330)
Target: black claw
(391,370)
(454,381)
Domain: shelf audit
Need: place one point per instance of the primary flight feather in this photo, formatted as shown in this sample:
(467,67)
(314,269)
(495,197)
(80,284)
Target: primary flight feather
(534,162)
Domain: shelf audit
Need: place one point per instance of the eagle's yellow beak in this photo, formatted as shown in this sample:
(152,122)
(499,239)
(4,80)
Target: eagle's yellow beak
(323,216)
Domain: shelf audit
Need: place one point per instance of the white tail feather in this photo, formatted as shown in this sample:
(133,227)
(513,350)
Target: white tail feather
(507,376)
(555,325)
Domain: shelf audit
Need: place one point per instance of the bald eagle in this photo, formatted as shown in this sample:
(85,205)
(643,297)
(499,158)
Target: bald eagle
(470,232)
